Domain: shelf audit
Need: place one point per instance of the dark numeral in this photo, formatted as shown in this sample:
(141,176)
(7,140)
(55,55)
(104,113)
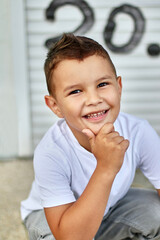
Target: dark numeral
(139,26)
(86,10)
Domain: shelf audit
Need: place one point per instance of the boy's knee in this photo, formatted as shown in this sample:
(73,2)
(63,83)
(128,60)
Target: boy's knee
(152,206)
(151,215)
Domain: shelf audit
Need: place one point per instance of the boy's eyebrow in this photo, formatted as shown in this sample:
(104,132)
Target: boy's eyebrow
(78,85)
(71,87)
(104,77)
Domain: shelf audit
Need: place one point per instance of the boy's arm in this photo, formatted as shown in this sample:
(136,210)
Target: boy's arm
(80,220)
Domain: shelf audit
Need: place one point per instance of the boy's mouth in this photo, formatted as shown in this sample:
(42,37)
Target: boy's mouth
(96,115)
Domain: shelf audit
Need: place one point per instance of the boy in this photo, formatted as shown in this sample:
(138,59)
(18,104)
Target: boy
(86,162)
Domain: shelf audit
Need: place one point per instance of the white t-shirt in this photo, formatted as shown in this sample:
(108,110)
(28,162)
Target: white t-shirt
(63,167)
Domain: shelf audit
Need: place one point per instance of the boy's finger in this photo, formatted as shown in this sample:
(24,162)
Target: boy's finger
(118,139)
(113,134)
(125,144)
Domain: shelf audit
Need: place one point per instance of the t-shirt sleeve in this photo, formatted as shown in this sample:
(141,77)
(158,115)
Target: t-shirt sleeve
(52,177)
(149,153)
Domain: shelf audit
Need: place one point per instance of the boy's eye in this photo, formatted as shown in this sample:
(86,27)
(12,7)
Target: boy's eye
(75,92)
(103,84)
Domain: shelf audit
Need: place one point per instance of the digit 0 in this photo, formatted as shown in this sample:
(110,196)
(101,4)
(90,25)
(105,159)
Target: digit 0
(139,26)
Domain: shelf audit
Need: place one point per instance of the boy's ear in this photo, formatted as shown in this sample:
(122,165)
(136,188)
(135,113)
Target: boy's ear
(119,81)
(52,104)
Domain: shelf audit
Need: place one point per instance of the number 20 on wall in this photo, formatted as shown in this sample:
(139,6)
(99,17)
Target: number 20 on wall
(110,28)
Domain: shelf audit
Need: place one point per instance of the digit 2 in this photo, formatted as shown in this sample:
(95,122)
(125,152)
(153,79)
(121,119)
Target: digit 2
(86,10)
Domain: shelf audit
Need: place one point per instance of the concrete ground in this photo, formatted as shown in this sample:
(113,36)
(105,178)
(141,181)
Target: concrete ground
(15,181)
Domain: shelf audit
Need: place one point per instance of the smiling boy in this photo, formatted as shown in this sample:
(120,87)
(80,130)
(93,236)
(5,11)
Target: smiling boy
(86,162)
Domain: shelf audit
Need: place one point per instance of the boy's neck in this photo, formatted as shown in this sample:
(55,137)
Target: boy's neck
(81,138)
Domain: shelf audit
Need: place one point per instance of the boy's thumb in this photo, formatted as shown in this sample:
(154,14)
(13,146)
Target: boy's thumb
(90,135)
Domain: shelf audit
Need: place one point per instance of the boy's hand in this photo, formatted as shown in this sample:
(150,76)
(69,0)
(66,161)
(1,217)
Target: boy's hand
(108,147)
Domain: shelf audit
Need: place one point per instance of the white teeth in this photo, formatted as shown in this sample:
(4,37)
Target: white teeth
(95,114)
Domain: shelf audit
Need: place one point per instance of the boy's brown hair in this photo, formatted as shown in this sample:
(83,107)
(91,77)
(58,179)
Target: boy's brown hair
(71,47)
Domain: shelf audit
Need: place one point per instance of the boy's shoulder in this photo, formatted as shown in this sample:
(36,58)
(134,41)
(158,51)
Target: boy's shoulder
(129,125)
(53,150)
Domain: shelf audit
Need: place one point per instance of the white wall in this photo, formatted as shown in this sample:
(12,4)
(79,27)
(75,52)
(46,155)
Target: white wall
(8,110)
(15,138)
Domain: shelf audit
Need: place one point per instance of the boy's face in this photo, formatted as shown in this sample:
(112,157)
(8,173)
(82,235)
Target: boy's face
(87,94)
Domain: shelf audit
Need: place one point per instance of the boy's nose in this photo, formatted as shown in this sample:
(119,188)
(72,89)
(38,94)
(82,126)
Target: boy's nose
(93,99)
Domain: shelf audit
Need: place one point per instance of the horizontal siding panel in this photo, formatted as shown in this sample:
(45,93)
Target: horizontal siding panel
(35,15)
(141,85)
(69,25)
(145,73)
(152,118)
(142,97)
(45,118)
(134,108)
(34,4)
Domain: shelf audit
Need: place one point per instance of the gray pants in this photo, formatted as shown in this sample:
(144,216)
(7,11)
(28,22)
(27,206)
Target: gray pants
(136,216)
